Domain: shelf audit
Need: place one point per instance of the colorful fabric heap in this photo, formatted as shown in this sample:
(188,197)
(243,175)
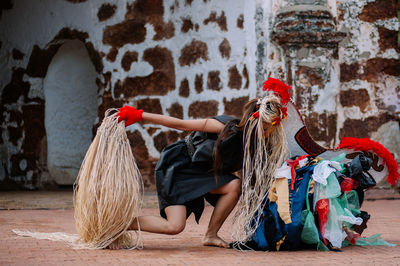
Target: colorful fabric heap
(315,204)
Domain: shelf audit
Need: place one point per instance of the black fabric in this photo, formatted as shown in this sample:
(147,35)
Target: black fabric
(360,228)
(357,169)
(185,179)
(231,150)
(359,164)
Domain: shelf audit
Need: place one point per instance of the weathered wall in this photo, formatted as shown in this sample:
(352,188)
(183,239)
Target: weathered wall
(188,59)
(197,58)
(369,97)
(343,59)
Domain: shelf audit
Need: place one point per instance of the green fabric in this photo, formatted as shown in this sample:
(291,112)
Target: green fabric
(339,215)
(309,234)
(339,158)
(321,246)
(331,190)
(342,209)
(375,240)
(350,202)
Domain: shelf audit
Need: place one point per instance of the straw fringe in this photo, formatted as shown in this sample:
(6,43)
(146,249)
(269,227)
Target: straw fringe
(261,159)
(108,190)
(107,193)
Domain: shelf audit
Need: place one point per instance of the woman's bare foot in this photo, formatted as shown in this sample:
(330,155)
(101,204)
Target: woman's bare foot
(215,241)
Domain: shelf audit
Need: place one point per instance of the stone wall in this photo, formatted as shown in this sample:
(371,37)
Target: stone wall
(188,59)
(369,96)
(343,59)
(194,59)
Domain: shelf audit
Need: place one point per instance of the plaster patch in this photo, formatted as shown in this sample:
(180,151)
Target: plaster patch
(390,24)
(365,55)
(332,6)
(36,88)
(327,100)
(13,124)
(141,69)
(150,32)
(11,149)
(388,93)
(390,54)
(352,112)
(389,136)
(29,176)
(368,39)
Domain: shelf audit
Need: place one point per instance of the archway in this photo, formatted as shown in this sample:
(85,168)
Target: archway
(70,110)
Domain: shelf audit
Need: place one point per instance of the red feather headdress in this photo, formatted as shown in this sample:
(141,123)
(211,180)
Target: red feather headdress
(279,88)
(369,145)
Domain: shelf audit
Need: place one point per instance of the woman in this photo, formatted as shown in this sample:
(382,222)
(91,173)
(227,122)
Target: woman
(202,165)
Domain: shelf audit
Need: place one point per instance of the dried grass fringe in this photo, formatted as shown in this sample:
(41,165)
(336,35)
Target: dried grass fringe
(108,193)
(258,170)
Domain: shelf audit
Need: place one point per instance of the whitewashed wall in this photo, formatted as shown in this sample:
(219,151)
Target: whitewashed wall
(189,59)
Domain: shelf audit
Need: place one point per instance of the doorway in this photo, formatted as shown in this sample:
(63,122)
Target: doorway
(70,110)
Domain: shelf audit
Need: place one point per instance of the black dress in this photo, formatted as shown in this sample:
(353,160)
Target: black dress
(184,174)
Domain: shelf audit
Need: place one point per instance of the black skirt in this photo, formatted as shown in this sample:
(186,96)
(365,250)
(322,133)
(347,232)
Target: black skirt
(184,174)
(180,182)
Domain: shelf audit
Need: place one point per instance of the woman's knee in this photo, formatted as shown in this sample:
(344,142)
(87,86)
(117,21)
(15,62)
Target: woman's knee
(235,186)
(175,228)
(176,219)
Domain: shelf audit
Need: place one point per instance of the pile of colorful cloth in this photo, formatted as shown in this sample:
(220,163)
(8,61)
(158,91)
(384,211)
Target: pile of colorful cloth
(315,204)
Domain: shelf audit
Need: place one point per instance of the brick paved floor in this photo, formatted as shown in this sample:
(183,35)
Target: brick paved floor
(186,248)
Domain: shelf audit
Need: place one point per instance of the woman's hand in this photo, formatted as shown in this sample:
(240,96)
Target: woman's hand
(130,114)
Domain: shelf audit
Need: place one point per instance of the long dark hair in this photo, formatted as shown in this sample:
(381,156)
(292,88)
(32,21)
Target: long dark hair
(248,109)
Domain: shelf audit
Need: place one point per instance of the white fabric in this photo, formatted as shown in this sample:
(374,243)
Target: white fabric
(329,191)
(303,162)
(334,230)
(350,218)
(324,169)
(284,171)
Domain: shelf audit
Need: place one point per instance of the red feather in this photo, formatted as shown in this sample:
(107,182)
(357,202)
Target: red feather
(279,88)
(369,145)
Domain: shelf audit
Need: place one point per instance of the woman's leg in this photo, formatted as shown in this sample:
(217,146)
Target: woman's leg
(174,224)
(229,196)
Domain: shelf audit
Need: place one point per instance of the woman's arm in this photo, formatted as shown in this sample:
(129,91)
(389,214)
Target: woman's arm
(132,115)
(206,125)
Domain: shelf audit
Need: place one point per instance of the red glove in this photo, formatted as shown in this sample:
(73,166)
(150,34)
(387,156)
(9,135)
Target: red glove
(130,115)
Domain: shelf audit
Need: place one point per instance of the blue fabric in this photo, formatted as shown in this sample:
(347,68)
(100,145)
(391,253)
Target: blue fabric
(272,229)
(297,199)
(259,236)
